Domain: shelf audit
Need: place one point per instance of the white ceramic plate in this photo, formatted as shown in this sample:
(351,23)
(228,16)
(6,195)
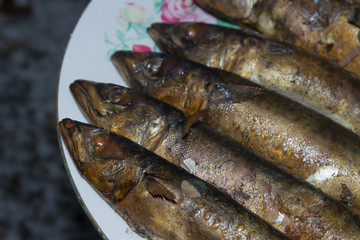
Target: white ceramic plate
(104,27)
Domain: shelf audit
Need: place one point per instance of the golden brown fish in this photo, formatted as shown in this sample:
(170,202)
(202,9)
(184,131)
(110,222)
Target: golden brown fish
(291,205)
(308,79)
(327,27)
(290,135)
(156,198)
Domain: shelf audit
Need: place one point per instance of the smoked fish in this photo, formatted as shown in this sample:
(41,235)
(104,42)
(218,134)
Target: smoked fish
(306,78)
(291,205)
(156,198)
(330,28)
(305,143)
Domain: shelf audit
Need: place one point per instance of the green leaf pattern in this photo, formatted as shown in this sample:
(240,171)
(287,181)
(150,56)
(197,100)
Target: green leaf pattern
(135,21)
(135,30)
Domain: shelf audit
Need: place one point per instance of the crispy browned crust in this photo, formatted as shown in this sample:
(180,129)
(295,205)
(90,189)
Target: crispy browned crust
(306,78)
(163,201)
(318,26)
(291,205)
(305,143)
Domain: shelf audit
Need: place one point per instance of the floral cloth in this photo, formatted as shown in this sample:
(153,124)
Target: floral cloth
(134,19)
(132,13)
(183,11)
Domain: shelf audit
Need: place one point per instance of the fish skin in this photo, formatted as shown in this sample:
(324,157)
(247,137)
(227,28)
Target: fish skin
(156,198)
(291,205)
(290,135)
(308,79)
(324,27)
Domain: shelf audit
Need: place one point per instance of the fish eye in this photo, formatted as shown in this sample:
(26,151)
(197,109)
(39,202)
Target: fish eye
(192,31)
(152,66)
(123,99)
(99,143)
(167,66)
(115,98)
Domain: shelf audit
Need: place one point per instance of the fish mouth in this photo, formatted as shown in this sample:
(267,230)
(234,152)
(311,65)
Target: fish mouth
(102,103)
(71,134)
(88,97)
(67,128)
(165,36)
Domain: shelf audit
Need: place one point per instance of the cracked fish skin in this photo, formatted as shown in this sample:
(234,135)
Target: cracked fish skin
(317,26)
(291,205)
(308,79)
(299,140)
(156,198)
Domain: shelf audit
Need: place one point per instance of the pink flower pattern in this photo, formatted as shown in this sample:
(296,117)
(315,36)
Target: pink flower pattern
(183,11)
(141,48)
(133,18)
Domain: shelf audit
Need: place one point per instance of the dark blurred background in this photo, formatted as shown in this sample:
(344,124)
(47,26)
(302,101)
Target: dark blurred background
(36,197)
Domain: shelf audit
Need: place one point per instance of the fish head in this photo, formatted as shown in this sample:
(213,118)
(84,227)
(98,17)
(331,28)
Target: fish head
(129,66)
(125,111)
(172,79)
(102,158)
(111,106)
(141,70)
(186,39)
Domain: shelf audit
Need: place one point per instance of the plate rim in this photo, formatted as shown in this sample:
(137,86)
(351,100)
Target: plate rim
(58,133)
(72,179)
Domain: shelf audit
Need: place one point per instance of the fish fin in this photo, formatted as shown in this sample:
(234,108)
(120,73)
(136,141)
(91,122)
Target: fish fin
(193,188)
(236,93)
(125,184)
(190,120)
(158,189)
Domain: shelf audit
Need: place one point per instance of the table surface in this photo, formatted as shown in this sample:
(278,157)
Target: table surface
(36,197)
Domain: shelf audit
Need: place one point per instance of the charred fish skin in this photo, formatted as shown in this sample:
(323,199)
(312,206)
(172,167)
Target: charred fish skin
(299,140)
(303,212)
(329,28)
(158,199)
(308,79)
(153,63)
